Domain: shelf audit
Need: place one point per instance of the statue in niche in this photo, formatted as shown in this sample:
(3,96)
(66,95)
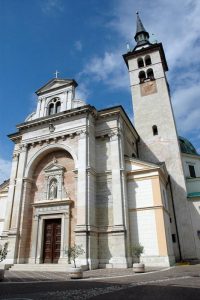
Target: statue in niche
(53,189)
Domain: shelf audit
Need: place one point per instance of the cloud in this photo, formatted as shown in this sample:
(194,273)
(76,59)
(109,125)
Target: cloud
(82,91)
(78,46)
(52,6)
(5,167)
(176,25)
(109,69)
(187,108)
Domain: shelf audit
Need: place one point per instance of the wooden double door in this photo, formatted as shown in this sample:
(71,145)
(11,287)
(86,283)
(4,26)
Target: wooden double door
(52,241)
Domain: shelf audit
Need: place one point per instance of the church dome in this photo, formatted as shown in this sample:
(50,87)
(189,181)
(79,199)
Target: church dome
(186,146)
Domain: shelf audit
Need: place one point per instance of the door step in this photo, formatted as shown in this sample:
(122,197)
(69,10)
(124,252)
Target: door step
(41,267)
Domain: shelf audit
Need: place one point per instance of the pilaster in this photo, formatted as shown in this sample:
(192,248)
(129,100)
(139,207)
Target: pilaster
(118,216)
(18,190)
(11,193)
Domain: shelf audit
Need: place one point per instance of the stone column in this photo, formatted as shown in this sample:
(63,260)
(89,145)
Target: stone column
(82,180)
(115,151)
(11,193)
(64,237)
(69,99)
(34,240)
(25,221)
(43,107)
(38,107)
(81,226)
(13,234)
(18,190)
(119,259)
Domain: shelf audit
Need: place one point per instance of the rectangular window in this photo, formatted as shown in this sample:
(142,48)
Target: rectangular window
(173,238)
(155,130)
(192,171)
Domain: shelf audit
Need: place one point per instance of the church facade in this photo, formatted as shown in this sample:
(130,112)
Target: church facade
(90,177)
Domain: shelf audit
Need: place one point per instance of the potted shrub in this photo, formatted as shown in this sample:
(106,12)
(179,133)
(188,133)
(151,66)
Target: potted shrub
(137,250)
(3,254)
(73,252)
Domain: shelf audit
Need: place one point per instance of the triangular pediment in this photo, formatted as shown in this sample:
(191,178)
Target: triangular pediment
(54,84)
(139,165)
(54,167)
(4,186)
(136,165)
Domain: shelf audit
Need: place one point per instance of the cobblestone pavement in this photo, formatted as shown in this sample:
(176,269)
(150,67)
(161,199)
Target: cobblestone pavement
(181,283)
(27,276)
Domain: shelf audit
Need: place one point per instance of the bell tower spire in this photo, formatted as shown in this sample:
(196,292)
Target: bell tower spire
(154,121)
(141,35)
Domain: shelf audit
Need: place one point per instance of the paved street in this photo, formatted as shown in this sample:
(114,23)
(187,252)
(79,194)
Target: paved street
(182,283)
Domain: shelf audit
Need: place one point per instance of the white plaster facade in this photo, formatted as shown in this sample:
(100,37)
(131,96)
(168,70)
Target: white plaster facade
(105,185)
(98,210)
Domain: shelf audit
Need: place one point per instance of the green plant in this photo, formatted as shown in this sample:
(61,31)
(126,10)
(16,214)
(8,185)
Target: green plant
(137,250)
(3,251)
(74,251)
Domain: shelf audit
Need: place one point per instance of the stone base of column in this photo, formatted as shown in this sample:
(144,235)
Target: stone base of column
(63,260)
(119,262)
(4,234)
(87,237)
(11,238)
(158,261)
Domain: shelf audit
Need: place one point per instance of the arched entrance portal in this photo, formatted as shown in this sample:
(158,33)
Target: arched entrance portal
(49,219)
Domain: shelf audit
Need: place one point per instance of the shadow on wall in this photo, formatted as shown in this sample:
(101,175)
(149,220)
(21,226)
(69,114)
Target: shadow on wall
(104,215)
(180,215)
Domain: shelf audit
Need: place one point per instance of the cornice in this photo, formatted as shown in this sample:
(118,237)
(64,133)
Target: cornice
(146,50)
(62,115)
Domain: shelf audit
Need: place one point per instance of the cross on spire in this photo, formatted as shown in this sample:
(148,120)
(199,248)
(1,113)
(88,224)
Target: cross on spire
(141,36)
(56,74)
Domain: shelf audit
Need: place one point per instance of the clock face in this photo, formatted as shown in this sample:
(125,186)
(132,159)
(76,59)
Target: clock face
(148,88)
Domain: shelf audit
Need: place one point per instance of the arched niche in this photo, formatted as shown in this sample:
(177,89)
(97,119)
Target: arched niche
(44,151)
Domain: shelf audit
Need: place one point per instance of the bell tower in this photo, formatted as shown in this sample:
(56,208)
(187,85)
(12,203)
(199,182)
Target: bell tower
(155,123)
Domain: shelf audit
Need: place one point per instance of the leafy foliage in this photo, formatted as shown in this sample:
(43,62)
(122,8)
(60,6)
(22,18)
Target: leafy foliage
(74,251)
(137,250)
(3,251)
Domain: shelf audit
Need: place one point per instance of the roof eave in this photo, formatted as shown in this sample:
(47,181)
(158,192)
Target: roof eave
(144,50)
(71,82)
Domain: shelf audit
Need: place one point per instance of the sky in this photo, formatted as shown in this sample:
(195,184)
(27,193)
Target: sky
(85,40)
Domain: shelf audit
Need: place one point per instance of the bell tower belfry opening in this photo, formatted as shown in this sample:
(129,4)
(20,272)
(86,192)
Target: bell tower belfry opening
(155,123)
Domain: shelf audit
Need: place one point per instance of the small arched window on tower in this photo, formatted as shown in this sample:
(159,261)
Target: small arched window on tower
(58,106)
(142,76)
(140,62)
(150,74)
(155,130)
(147,60)
(51,109)
(54,106)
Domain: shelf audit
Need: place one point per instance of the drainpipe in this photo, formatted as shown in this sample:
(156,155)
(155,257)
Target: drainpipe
(137,150)
(174,212)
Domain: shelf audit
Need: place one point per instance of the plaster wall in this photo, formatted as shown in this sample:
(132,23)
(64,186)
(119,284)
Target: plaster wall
(103,158)
(3,203)
(143,230)
(194,206)
(155,109)
(191,160)
(140,193)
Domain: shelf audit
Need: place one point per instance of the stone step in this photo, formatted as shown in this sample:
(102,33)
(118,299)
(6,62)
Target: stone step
(41,267)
